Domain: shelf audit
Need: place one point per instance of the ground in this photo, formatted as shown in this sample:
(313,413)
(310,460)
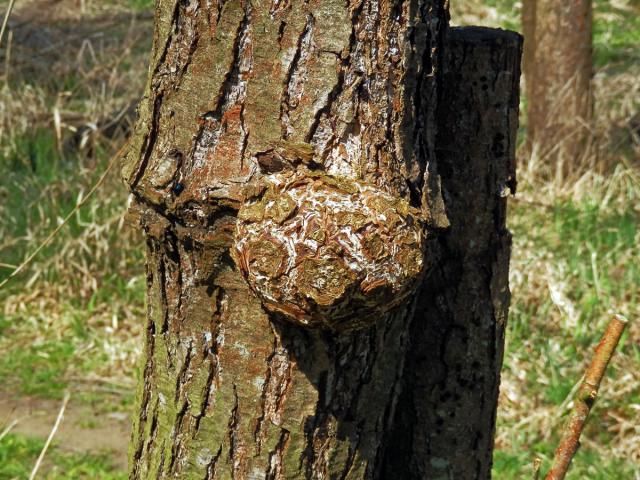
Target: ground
(70,321)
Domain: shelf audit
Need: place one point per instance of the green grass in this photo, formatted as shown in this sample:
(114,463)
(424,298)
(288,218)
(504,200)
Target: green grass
(616,33)
(89,274)
(18,455)
(595,245)
(39,187)
(589,251)
(43,368)
(46,360)
(587,464)
(141,4)
(39,369)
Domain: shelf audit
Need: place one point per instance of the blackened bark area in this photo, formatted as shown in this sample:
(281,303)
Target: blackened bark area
(446,416)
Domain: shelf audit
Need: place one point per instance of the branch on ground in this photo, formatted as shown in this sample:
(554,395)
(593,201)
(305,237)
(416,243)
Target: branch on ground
(585,398)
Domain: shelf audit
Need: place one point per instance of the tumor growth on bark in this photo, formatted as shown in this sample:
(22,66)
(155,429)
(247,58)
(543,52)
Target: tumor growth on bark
(329,251)
(284,171)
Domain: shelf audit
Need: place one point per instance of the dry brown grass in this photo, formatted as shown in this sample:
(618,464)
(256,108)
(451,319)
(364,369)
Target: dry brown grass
(65,98)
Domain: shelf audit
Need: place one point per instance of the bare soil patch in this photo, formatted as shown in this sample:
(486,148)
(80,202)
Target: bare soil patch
(84,429)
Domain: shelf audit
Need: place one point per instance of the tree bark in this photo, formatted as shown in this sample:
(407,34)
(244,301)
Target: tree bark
(229,388)
(558,68)
(446,415)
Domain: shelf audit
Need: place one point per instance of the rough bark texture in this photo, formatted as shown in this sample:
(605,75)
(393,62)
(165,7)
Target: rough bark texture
(330,252)
(239,88)
(446,415)
(228,391)
(558,69)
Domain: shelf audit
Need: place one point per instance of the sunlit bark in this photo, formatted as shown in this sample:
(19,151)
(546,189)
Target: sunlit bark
(231,387)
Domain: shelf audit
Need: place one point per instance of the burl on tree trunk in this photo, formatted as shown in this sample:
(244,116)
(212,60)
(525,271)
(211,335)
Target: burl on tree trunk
(294,195)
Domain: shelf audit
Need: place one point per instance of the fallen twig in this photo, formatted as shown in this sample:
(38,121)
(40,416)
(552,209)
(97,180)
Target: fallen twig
(585,398)
(8,429)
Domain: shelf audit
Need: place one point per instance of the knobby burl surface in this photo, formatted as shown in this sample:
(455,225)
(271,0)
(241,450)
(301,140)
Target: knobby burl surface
(227,390)
(328,251)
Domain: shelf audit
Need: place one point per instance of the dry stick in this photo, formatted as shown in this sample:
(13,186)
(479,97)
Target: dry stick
(6,19)
(585,398)
(51,435)
(67,218)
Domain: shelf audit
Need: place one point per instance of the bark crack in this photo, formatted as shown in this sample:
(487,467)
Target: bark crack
(232,92)
(153,431)
(235,450)
(183,377)
(296,76)
(276,385)
(211,353)
(211,467)
(275,467)
(149,368)
(176,450)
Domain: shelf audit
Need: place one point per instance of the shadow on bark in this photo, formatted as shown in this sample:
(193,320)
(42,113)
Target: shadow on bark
(446,415)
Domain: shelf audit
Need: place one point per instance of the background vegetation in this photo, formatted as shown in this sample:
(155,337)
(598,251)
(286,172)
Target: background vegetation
(70,321)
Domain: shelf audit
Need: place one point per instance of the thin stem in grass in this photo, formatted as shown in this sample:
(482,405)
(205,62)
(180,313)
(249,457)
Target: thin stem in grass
(537,462)
(66,219)
(585,398)
(6,19)
(56,425)
(8,428)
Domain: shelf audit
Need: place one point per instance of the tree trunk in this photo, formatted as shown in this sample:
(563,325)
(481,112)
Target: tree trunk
(446,415)
(558,67)
(229,391)
(341,98)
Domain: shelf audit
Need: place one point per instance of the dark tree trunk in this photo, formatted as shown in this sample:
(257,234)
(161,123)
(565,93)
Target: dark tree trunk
(344,92)
(558,68)
(446,415)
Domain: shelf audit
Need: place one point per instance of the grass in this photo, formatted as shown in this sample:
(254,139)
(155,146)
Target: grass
(39,369)
(141,4)
(71,320)
(574,262)
(18,454)
(83,283)
(616,33)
